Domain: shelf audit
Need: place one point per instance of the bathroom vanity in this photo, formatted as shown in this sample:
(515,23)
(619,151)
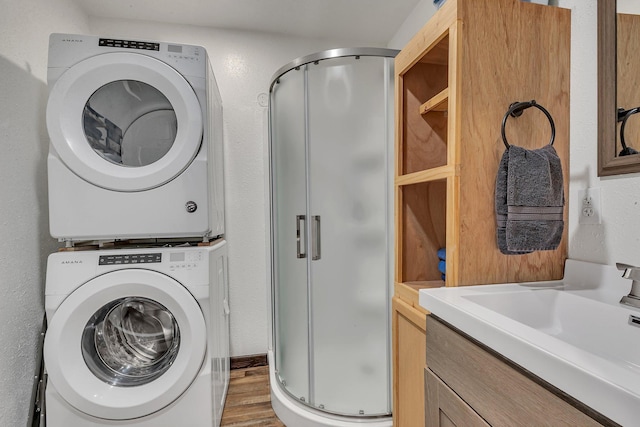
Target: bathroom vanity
(467,384)
(560,352)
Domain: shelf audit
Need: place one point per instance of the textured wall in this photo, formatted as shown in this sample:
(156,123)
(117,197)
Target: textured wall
(628,6)
(617,239)
(24,226)
(420,14)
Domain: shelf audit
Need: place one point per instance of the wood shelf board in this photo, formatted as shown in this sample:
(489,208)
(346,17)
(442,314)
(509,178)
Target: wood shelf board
(429,175)
(424,284)
(408,292)
(439,103)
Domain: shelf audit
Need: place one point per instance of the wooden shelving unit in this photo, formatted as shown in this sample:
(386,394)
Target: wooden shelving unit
(454,82)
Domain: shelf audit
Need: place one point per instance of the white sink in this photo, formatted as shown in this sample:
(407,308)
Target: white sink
(573,333)
(587,324)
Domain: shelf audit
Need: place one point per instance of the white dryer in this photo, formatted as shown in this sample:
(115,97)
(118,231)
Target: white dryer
(135,133)
(137,337)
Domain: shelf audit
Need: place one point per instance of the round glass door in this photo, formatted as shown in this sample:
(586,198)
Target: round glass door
(125,121)
(130,341)
(125,344)
(129,123)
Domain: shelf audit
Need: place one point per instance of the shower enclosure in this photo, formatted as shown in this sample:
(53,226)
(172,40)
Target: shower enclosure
(331,149)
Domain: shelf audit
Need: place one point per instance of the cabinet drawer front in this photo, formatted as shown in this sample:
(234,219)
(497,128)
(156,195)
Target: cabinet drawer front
(445,408)
(498,392)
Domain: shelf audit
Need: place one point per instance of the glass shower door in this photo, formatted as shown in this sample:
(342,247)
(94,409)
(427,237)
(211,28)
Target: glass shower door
(289,206)
(349,315)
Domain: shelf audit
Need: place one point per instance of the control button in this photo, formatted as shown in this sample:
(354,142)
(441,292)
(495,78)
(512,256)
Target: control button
(191,206)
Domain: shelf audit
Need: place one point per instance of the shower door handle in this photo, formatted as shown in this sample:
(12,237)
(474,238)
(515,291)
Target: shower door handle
(315,238)
(300,244)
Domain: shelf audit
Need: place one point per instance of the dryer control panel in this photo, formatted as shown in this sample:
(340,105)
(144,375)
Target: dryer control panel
(129,44)
(130,259)
(66,50)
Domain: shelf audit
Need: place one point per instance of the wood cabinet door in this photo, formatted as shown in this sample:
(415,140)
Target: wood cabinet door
(444,408)
(409,342)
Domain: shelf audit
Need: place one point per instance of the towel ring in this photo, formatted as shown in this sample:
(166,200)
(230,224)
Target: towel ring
(626,151)
(516,109)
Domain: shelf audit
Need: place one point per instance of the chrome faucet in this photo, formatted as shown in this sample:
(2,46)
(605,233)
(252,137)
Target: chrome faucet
(633,273)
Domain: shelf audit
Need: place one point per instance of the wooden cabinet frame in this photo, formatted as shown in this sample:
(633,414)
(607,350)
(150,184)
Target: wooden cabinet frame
(455,80)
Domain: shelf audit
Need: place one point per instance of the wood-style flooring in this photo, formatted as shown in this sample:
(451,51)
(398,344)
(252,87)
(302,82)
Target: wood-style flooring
(249,399)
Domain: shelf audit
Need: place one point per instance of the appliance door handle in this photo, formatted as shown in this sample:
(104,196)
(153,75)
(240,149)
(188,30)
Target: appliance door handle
(300,243)
(315,239)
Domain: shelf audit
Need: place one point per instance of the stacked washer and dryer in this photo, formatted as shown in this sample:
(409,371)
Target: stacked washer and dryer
(138,334)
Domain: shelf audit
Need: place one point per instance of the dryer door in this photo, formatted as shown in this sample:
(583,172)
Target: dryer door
(124,121)
(125,344)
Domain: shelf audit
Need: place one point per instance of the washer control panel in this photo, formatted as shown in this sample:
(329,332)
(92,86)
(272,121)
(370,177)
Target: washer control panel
(146,258)
(184,260)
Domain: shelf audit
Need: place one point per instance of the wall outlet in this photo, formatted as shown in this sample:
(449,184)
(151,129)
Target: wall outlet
(590,206)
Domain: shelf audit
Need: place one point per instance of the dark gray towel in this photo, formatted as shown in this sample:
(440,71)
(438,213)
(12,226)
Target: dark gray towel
(529,200)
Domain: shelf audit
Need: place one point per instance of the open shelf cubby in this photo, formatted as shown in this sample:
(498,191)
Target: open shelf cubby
(425,99)
(424,225)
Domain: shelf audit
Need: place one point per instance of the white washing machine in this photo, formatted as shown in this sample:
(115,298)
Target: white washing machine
(137,337)
(135,133)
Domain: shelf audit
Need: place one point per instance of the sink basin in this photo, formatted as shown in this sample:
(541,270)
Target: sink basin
(572,333)
(584,323)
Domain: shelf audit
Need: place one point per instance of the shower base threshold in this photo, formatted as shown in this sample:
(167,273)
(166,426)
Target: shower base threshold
(292,413)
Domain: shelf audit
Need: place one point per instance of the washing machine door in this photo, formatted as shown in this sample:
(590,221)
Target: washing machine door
(124,121)
(125,344)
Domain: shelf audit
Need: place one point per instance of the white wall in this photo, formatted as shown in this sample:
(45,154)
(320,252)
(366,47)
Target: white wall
(243,63)
(586,242)
(628,6)
(24,228)
(416,20)
(617,239)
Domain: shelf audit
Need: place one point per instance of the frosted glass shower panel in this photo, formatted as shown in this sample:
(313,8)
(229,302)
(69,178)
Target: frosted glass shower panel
(348,178)
(289,205)
(331,167)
